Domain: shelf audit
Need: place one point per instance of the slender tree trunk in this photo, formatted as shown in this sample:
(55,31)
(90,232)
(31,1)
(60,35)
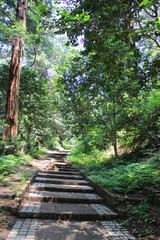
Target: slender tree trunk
(115,148)
(114,131)
(14,76)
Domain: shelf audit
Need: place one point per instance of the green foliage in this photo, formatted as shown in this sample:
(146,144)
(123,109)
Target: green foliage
(119,174)
(42,8)
(34,109)
(140,213)
(10,163)
(106,95)
(53,142)
(110,91)
(39,119)
(125,179)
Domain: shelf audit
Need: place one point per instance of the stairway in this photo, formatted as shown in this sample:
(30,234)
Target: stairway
(62,193)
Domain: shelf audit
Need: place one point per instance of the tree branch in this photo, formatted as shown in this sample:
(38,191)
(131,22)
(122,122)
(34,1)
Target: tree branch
(153,16)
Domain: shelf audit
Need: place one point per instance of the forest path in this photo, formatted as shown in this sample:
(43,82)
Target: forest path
(61,205)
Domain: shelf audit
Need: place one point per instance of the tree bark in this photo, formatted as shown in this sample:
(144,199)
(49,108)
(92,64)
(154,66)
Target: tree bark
(14,75)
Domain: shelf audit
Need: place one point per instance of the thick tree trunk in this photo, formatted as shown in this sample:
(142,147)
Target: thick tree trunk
(14,76)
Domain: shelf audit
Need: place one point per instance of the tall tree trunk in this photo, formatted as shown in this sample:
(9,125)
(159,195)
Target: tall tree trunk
(14,76)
